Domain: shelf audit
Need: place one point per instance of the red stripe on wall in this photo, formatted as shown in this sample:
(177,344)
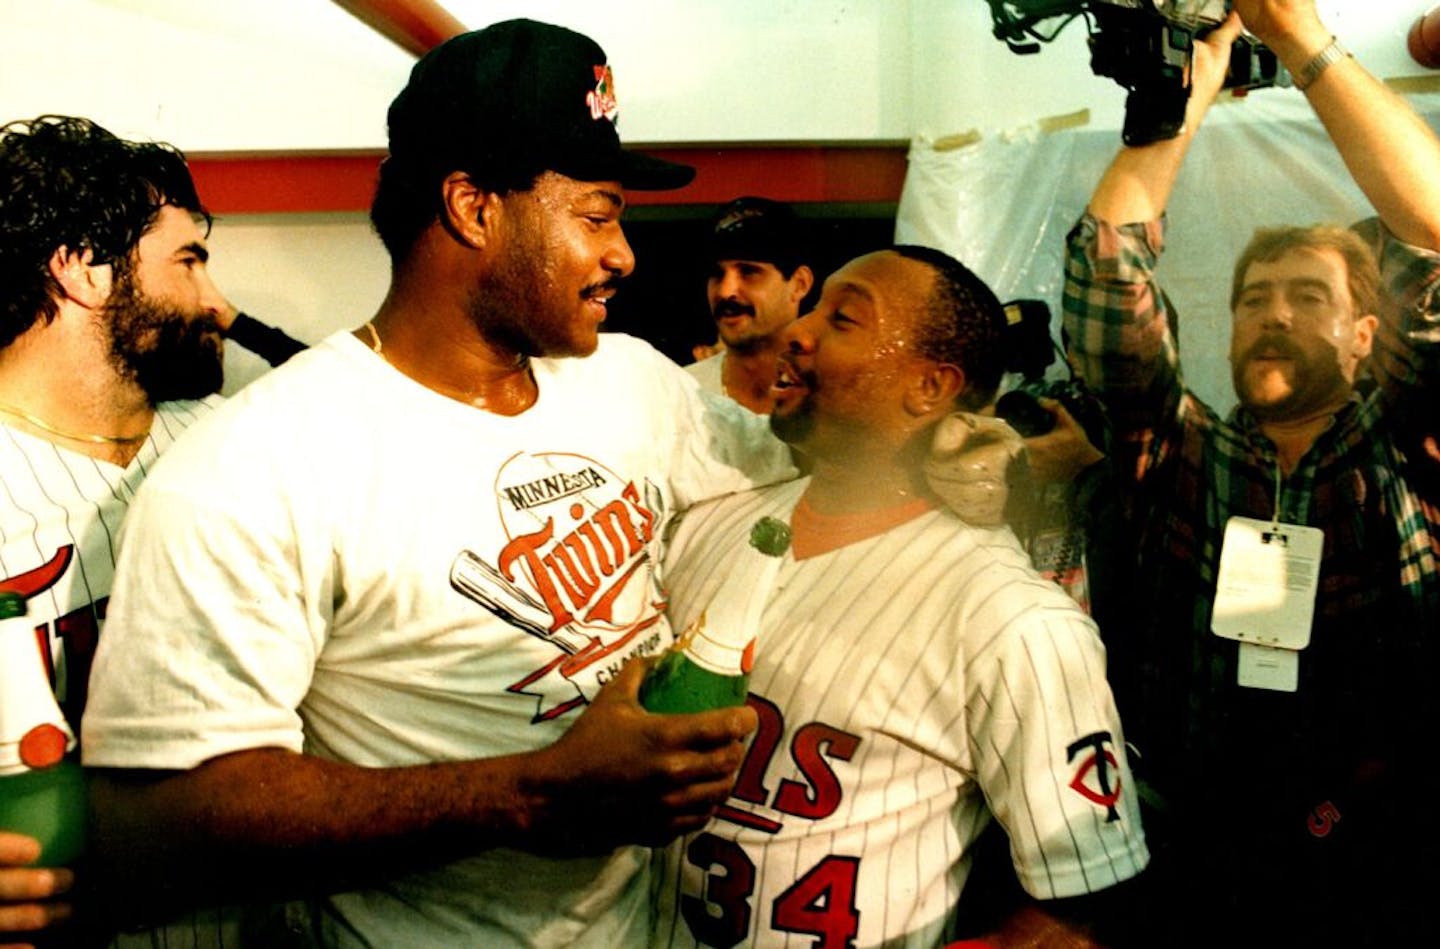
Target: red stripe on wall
(813,173)
(294,183)
(258,184)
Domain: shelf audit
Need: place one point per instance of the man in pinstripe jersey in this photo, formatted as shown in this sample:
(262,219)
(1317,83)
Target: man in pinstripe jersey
(108,350)
(914,677)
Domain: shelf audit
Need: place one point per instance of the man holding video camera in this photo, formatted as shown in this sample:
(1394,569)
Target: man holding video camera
(1282,646)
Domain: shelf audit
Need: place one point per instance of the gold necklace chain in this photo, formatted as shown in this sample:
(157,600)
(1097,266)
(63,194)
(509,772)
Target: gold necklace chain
(375,344)
(43,425)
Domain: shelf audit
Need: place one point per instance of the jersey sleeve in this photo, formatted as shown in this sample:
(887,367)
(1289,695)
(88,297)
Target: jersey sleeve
(1049,751)
(206,647)
(1121,332)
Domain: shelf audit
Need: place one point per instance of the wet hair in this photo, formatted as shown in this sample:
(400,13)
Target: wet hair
(408,195)
(963,324)
(67,182)
(1271,243)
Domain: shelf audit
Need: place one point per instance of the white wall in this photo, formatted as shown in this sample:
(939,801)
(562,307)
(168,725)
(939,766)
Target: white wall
(207,75)
(262,75)
(310,274)
(226,75)
(743,70)
(223,75)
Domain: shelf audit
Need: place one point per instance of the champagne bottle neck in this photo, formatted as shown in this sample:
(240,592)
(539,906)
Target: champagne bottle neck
(723,654)
(722,639)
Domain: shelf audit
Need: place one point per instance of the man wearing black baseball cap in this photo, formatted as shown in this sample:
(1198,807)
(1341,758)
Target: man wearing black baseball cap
(371,627)
(757,253)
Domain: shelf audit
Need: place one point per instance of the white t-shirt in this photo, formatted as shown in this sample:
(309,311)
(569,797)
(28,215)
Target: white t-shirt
(319,568)
(904,681)
(708,372)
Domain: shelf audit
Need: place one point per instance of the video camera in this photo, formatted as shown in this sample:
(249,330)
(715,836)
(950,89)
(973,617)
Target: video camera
(1031,351)
(1145,46)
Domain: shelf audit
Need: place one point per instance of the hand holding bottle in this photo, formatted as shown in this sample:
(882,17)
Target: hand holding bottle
(28,893)
(42,787)
(622,775)
(709,665)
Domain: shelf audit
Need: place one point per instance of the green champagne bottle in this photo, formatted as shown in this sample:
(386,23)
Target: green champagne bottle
(42,786)
(709,664)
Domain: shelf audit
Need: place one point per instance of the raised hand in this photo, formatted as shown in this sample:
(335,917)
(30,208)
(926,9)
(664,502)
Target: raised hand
(1064,451)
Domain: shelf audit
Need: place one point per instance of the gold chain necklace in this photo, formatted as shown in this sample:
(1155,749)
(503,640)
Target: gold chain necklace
(43,425)
(375,344)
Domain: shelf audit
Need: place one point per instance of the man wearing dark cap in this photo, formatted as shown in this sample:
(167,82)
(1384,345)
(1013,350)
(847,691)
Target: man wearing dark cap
(758,278)
(371,627)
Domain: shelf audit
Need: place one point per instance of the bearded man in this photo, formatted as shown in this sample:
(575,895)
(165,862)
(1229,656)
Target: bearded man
(109,348)
(1289,575)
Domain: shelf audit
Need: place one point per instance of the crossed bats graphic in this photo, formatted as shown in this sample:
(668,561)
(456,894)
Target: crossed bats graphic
(475,578)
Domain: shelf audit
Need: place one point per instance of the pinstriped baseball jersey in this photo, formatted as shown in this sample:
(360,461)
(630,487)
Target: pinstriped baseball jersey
(902,681)
(60,514)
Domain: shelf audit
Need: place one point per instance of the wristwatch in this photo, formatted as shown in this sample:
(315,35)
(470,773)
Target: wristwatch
(1319,62)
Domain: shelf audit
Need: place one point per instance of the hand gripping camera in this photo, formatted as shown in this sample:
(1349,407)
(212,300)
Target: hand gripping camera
(1030,353)
(1144,45)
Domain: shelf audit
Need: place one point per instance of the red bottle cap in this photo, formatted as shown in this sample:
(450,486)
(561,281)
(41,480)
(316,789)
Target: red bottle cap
(42,746)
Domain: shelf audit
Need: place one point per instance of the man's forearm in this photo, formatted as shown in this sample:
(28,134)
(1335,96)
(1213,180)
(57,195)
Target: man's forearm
(1113,311)
(1137,185)
(270,343)
(267,821)
(272,821)
(1391,152)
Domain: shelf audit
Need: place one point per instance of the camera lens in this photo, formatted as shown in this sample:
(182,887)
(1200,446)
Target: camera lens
(1024,414)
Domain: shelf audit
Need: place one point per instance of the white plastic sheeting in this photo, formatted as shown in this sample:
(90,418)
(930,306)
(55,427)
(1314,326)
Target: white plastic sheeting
(1004,205)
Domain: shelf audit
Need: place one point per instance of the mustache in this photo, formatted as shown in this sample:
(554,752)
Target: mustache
(1275,344)
(733,308)
(611,285)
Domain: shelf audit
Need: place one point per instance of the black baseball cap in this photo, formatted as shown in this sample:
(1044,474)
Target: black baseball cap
(754,228)
(521,93)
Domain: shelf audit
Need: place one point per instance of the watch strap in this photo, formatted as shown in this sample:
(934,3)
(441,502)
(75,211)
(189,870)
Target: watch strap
(1318,63)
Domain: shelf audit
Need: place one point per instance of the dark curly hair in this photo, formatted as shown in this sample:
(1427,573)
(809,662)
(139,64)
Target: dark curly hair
(67,182)
(964,324)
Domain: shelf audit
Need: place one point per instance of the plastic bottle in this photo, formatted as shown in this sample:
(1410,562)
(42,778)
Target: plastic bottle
(42,786)
(709,665)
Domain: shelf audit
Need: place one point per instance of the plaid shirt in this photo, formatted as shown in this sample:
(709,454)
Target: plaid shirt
(1186,471)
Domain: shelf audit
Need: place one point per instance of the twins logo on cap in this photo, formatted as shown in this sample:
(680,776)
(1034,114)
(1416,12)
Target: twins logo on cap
(602,98)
